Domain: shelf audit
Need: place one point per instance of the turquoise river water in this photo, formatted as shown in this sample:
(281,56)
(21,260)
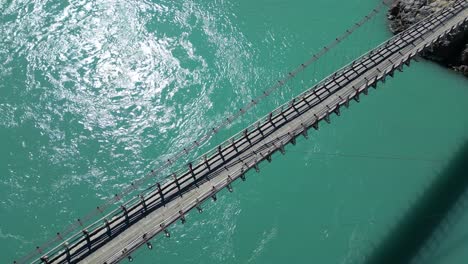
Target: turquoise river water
(92,93)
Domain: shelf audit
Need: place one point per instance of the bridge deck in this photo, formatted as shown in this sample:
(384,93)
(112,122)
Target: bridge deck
(162,207)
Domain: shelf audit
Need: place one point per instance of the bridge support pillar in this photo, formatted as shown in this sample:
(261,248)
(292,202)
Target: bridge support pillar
(304,131)
(270,115)
(108,229)
(174,176)
(242,173)
(124,210)
(163,201)
(143,203)
(246,135)
(316,125)
(260,130)
(206,162)
(283,116)
(166,233)
(193,174)
(255,166)
(281,149)
(337,110)
(213,196)
(376,80)
(220,152)
(293,139)
(242,176)
(88,239)
(327,118)
(182,217)
(293,105)
(233,143)
(306,102)
(229,187)
(67,252)
(149,245)
(356,97)
(346,103)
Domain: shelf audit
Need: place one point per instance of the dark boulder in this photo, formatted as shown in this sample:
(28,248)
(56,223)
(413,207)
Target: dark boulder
(451,51)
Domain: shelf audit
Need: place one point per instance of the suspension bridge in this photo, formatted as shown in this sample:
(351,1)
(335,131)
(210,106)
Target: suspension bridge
(116,235)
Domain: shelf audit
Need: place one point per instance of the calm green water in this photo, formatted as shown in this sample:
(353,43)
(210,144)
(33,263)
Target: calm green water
(92,93)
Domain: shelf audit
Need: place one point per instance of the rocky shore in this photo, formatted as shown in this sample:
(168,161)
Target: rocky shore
(451,51)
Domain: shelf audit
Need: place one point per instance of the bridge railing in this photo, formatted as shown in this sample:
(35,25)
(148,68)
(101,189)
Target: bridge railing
(239,136)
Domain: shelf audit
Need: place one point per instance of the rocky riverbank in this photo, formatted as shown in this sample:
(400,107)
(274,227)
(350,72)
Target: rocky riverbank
(451,51)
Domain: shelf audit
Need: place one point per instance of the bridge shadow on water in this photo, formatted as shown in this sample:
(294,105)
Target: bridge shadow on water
(418,227)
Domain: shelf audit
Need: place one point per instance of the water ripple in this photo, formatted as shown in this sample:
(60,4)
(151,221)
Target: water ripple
(98,90)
